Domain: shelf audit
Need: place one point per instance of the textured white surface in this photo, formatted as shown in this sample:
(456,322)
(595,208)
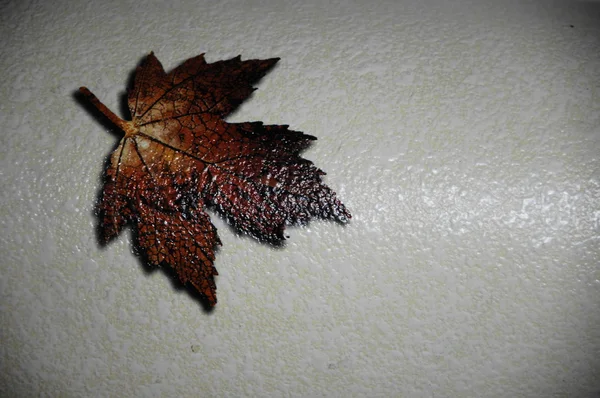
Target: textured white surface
(463,136)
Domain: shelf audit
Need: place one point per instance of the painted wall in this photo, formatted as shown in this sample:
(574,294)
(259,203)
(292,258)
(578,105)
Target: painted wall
(464,136)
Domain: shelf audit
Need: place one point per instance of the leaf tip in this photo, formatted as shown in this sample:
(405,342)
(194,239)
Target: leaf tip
(271,62)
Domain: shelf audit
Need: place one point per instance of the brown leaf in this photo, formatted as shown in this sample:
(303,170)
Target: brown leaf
(179,156)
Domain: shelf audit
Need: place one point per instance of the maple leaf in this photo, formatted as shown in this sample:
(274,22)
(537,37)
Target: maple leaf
(178,157)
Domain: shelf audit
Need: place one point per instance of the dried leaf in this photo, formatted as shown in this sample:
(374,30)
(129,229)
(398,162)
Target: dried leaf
(178,156)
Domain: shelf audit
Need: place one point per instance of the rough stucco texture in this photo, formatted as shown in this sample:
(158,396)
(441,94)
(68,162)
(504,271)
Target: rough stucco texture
(464,137)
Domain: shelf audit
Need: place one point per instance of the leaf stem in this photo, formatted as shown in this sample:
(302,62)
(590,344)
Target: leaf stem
(128,127)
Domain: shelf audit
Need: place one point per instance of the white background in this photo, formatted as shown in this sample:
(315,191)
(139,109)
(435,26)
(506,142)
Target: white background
(464,137)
